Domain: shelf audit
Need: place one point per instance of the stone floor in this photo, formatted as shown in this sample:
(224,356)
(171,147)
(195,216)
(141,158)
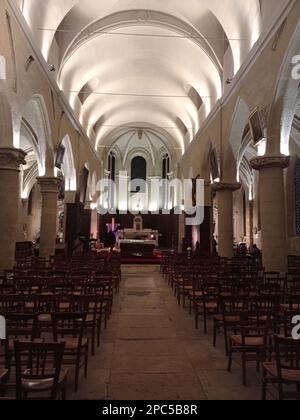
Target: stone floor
(151,350)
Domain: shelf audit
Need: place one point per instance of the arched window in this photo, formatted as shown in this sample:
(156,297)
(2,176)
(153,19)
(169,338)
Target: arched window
(165,173)
(138,171)
(112,166)
(165,167)
(138,168)
(297,197)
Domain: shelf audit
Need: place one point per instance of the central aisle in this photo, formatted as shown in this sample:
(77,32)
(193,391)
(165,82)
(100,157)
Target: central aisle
(151,350)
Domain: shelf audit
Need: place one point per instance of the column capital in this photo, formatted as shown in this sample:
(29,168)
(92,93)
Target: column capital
(11,158)
(263,162)
(48,184)
(226,186)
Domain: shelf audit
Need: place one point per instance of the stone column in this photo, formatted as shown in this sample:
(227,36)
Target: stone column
(10,161)
(49,191)
(225,217)
(272,209)
(122,192)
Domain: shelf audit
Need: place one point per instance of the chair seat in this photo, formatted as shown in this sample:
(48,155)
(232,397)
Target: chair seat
(249,341)
(208,305)
(230,319)
(197,294)
(287,307)
(73,343)
(41,385)
(91,318)
(288,375)
(64,306)
(45,318)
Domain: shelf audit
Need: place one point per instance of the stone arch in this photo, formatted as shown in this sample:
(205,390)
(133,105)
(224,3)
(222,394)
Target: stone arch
(36,115)
(286,97)
(68,166)
(239,122)
(118,156)
(210,153)
(93,185)
(28,141)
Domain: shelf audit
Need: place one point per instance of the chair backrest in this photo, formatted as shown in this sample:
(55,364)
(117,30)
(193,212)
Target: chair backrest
(40,363)
(265,303)
(21,326)
(11,304)
(69,325)
(233,305)
(273,278)
(255,325)
(88,304)
(47,303)
(287,354)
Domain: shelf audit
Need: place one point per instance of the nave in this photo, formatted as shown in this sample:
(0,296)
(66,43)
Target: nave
(151,350)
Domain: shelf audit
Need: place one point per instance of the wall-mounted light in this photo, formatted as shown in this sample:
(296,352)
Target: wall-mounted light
(52,67)
(229,80)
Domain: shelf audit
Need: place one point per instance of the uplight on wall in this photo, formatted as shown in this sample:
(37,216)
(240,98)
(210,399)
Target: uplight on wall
(93,206)
(251,194)
(261,148)
(2,68)
(123,206)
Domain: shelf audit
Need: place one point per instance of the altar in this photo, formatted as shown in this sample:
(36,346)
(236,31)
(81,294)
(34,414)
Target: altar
(138,242)
(138,233)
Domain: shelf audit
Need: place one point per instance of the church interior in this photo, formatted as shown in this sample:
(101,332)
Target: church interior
(150,200)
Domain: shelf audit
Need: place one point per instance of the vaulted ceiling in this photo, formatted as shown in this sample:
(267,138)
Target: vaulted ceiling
(145,63)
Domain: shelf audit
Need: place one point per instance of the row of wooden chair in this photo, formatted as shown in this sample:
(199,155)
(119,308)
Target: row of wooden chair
(52,322)
(254,310)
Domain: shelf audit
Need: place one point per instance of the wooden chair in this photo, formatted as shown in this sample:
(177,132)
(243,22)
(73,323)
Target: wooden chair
(252,341)
(208,306)
(231,309)
(38,370)
(70,328)
(45,305)
(18,327)
(91,305)
(284,373)
(196,294)
(184,287)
